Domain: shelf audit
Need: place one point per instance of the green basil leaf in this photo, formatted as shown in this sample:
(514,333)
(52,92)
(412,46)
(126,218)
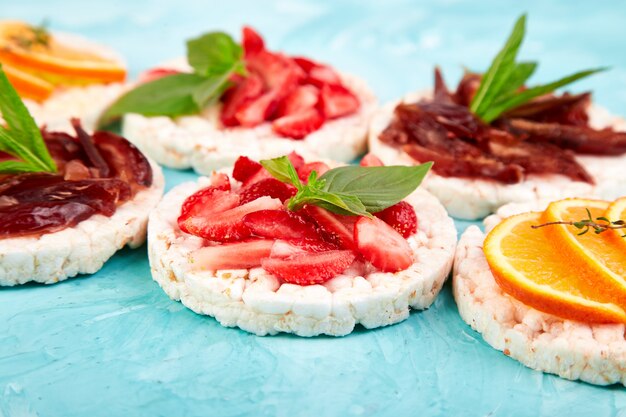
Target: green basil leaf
(496,77)
(282,169)
(211,90)
(376,187)
(515,99)
(335,202)
(172,95)
(22,138)
(213,53)
(16,167)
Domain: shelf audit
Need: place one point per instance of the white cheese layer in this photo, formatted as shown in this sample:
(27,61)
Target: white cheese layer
(200,143)
(82,249)
(256,301)
(471,199)
(594,353)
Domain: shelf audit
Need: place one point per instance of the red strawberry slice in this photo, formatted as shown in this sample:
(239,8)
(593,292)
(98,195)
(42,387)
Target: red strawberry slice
(258,110)
(371,160)
(214,197)
(286,248)
(321,75)
(280,224)
(401,217)
(252,42)
(305,63)
(337,101)
(278,71)
(228,225)
(267,187)
(298,126)
(236,97)
(155,74)
(332,227)
(260,175)
(309,268)
(305,170)
(245,254)
(303,98)
(245,168)
(296,160)
(382,245)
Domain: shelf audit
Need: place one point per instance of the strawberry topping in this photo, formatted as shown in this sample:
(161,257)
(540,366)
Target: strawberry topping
(239,255)
(280,224)
(382,245)
(305,170)
(332,227)
(371,160)
(267,187)
(309,268)
(297,94)
(245,168)
(401,217)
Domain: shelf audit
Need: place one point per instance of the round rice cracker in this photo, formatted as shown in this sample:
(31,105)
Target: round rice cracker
(199,142)
(472,199)
(594,353)
(257,302)
(86,103)
(82,249)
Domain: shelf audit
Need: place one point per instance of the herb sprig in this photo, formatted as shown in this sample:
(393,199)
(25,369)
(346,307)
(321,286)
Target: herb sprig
(499,89)
(20,136)
(598,225)
(214,57)
(349,190)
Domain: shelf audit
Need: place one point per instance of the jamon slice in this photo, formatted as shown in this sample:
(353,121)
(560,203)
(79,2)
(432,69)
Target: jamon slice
(580,139)
(567,109)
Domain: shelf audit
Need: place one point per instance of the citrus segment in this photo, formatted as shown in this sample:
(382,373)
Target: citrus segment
(28,86)
(598,251)
(529,268)
(617,211)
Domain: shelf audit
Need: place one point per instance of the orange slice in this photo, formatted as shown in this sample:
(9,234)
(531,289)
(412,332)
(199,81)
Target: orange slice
(28,86)
(527,266)
(54,60)
(598,251)
(617,211)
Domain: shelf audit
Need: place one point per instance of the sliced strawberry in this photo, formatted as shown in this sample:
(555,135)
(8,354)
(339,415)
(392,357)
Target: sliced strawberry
(309,268)
(297,126)
(278,71)
(245,254)
(207,199)
(155,74)
(267,187)
(260,175)
(401,217)
(245,168)
(332,227)
(252,42)
(296,160)
(321,75)
(228,225)
(304,97)
(371,160)
(382,245)
(245,91)
(256,111)
(305,63)
(337,101)
(280,224)
(286,248)
(306,169)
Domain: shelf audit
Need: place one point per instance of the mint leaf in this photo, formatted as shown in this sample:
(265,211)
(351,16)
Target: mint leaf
(214,53)
(376,187)
(496,77)
(172,95)
(515,99)
(520,74)
(21,138)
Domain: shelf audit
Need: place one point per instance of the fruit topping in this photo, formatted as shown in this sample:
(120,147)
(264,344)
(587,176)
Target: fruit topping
(309,268)
(330,224)
(252,41)
(337,101)
(401,217)
(281,224)
(382,245)
(371,160)
(305,170)
(267,187)
(298,125)
(245,168)
(239,255)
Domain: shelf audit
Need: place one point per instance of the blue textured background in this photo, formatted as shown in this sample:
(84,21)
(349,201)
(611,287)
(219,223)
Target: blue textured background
(114,345)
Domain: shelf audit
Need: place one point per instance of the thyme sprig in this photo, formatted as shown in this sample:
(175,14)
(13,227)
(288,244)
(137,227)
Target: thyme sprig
(36,36)
(598,225)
